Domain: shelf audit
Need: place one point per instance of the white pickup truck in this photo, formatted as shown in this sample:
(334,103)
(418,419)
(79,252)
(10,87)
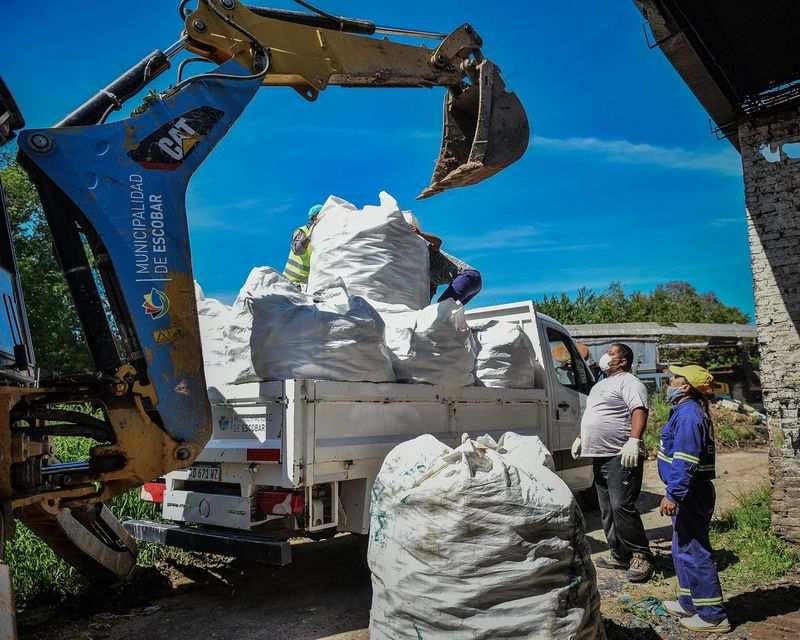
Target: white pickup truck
(299,457)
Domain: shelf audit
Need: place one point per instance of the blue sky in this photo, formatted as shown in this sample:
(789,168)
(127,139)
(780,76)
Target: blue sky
(622,181)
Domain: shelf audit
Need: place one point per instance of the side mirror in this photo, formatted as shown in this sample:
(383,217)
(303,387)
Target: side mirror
(10,116)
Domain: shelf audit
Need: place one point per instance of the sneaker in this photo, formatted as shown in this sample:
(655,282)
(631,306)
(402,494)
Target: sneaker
(697,624)
(612,562)
(675,608)
(641,568)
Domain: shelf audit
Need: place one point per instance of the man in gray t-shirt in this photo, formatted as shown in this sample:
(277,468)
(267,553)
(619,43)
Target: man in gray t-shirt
(606,423)
(611,431)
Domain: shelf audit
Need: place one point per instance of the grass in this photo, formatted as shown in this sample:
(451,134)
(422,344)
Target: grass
(39,575)
(758,555)
(731,429)
(657,418)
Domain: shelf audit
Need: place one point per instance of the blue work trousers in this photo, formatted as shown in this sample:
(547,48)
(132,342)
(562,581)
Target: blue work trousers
(464,287)
(698,582)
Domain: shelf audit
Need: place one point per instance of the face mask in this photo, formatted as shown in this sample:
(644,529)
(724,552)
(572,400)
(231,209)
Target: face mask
(605,362)
(674,394)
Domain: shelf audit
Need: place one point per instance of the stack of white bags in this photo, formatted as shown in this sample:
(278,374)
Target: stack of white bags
(365,316)
(481,541)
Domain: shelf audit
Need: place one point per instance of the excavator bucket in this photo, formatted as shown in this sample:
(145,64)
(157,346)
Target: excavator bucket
(485,130)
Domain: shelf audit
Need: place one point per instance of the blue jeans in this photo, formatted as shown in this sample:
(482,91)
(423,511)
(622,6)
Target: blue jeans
(464,287)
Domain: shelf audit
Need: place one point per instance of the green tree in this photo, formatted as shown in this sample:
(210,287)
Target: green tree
(670,302)
(55,329)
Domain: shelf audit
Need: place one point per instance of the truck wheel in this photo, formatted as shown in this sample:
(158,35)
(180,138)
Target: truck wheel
(587,499)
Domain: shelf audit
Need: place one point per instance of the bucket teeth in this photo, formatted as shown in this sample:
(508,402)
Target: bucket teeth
(485,130)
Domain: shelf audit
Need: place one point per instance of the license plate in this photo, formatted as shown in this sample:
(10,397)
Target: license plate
(209,473)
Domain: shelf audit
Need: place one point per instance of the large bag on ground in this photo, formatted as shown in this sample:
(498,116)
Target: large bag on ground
(480,542)
(506,358)
(432,346)
(331,336)
(374,251)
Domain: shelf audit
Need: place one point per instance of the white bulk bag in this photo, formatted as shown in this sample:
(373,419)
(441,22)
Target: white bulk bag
(374,251)
(480,542)
(506,358)
(213,317)
(433,346)
(331,336)
(260,281)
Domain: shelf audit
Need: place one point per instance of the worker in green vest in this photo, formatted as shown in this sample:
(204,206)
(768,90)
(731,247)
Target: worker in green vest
(298,264)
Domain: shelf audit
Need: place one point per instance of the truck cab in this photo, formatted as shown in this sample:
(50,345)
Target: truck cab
(562,372)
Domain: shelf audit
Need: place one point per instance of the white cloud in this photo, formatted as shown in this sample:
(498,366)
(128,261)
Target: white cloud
(518,237)
(247,203)
(725,221)
(725,161)
(237,215)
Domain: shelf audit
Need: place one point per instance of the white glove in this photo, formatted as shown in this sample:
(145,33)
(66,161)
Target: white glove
(630,453)
(576,448)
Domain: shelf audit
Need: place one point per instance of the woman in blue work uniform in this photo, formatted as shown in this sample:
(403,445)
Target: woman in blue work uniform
(686,466)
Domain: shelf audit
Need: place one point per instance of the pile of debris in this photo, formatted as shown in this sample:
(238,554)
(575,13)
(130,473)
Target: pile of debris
(365,317)
(736,412)
(737,424)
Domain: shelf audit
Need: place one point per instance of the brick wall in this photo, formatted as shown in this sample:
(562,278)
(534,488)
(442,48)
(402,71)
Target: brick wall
(772,187)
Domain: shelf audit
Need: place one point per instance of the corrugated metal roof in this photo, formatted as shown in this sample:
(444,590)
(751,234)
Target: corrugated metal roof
(655,329)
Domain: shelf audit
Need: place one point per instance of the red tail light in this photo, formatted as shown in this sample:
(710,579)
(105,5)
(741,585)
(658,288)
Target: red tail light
(263,455)
(285,503)
(153,492)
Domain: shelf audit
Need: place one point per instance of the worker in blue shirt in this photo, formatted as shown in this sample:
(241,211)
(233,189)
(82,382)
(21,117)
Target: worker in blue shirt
(686,466)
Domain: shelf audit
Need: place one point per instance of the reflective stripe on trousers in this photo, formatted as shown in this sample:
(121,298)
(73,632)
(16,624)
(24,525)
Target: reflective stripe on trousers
(698,583)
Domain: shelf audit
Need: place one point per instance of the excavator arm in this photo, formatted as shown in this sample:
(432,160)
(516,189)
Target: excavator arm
(113,195)
(485,126)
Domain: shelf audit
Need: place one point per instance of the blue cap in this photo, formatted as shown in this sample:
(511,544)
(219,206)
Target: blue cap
(314,210)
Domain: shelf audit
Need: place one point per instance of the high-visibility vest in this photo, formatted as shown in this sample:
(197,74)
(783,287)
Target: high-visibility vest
(298,264)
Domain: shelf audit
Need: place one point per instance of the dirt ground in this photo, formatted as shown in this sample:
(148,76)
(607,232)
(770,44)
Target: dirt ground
(325,594)
(771,612)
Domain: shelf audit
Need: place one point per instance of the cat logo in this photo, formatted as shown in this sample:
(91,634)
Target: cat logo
(167,147)
(179,140)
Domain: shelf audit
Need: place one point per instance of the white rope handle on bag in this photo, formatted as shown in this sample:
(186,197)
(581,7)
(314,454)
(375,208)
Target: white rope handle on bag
(481,446)
(444,462)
